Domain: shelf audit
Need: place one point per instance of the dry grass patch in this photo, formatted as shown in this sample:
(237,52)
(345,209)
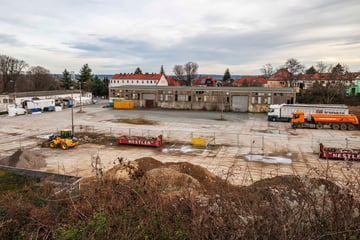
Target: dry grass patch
(137,121)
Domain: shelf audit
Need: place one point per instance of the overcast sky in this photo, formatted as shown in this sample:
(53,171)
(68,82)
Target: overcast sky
(116,36)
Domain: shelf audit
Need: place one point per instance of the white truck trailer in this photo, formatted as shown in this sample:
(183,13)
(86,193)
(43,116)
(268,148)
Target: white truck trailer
(284,112)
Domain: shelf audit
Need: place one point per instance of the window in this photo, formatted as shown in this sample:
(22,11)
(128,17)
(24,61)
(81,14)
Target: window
(252,100)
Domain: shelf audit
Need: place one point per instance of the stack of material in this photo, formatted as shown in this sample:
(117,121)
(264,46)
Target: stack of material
(24,159)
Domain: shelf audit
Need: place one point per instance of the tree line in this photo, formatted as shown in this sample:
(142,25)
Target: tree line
(16,75)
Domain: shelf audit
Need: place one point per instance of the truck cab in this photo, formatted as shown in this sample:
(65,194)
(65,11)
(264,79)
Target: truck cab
(274,112)
(298,119)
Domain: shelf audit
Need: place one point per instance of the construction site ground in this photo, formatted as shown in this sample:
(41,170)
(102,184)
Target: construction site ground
(240,147)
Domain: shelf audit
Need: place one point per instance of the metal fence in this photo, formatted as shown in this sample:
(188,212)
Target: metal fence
(254,143)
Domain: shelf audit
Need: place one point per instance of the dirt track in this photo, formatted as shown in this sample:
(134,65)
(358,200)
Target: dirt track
(230,141)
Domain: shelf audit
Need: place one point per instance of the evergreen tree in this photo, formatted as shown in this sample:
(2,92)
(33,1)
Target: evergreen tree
(338,69)
(66,82)
(311,70)
(162,71)
(138,71)
(97,86)
(85,77)
(226,78)
(106,87)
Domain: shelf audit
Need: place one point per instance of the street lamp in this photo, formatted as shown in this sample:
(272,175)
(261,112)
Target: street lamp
(222,100)
(80,83)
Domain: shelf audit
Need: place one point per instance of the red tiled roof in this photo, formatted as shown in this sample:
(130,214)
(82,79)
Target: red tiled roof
(280,75)
(260,79)
(137,76)
(172,81)
(327,76)
(202,81)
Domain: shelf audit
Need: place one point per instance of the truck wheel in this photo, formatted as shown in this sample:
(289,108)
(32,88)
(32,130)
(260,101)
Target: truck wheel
(319,125)
(52,144)
(64,146)
(351,127)
(343,126)
(273,119)
(335,126)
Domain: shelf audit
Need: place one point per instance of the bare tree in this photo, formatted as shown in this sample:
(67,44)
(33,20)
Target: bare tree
(267,70)
(294,67)
(41,78)
(179,73)
(10,69)
(191,70)
(321,67)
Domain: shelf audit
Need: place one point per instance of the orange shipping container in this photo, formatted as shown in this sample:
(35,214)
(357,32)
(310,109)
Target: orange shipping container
(123,104)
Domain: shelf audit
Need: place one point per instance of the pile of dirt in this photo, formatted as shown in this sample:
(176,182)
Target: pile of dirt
(24,159)
(91,137)
(175,178)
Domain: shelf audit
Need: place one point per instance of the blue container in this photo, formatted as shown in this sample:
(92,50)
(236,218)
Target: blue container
(36,110)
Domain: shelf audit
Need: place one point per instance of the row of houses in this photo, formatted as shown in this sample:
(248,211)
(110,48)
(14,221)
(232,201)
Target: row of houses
(281,78)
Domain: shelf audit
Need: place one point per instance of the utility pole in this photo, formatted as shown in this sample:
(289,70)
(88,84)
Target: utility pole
(72,114)
(222,101)
(80,98)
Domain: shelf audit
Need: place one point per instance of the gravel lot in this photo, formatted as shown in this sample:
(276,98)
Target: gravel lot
(243,148)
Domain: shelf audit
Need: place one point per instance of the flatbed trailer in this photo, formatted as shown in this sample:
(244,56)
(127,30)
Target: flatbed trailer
(140,140)
(339,153)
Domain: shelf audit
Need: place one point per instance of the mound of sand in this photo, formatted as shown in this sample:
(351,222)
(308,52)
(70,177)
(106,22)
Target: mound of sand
(176,178)
(167,180)
(24,159)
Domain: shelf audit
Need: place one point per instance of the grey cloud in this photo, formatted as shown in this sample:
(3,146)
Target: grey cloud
(10,39)
(85,46)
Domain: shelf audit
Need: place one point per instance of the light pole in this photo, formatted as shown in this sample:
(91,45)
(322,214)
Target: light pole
(14,90)
(80,83)
(72,114)
(80,98)
(222,101)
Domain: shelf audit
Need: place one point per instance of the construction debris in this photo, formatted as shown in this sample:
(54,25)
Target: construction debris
(24,159)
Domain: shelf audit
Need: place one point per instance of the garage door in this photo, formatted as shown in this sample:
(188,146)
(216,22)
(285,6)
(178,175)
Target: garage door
(240,103)
(149,96)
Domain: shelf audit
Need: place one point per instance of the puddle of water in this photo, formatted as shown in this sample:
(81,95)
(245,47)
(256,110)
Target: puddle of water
(268,159)
(183,149)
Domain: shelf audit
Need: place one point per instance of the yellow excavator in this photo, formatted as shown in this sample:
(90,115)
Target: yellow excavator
(65,140)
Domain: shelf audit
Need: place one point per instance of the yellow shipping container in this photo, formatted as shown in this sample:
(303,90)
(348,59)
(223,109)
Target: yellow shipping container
(198,141)
(123,104)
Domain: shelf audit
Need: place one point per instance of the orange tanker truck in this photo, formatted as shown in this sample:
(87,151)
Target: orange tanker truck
(319,120)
